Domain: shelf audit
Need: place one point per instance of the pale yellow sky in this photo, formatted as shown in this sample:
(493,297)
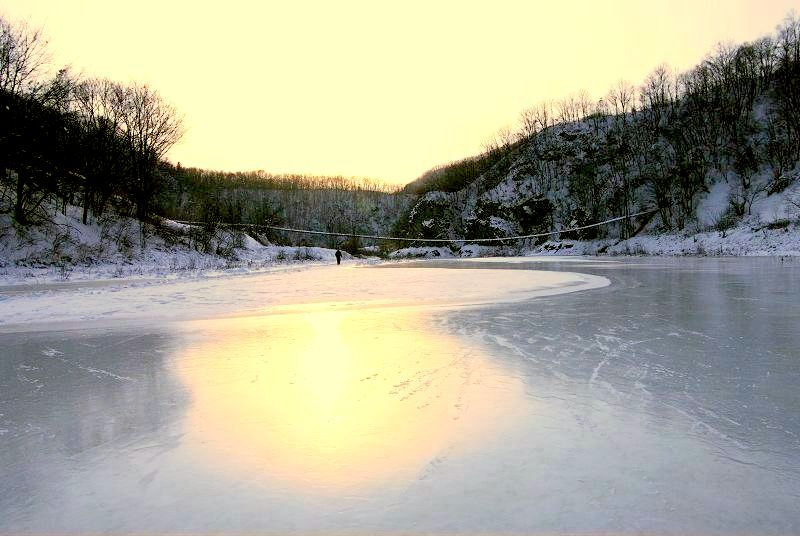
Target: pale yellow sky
(369,88)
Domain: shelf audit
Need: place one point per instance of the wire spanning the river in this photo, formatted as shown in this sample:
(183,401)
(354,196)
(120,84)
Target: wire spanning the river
(438,240)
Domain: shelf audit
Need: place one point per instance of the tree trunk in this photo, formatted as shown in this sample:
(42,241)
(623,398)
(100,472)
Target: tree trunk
(85,206)
(19,205)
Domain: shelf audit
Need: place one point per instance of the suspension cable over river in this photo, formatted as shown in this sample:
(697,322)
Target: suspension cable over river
(419,239)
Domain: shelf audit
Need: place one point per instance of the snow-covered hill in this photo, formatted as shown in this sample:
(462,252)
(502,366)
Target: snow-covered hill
(529,192)
(713,150)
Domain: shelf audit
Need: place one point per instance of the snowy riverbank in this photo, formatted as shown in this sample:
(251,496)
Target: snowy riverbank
(776,239)
(781,238)
(113,248)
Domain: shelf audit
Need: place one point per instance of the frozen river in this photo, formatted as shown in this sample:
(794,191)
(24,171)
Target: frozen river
(516,395)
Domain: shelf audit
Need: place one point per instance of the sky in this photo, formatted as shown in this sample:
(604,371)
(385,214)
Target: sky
(375,89)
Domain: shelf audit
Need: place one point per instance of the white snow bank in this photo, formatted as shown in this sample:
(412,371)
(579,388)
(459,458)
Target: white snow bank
(322,287)
(476,250)
(542,258)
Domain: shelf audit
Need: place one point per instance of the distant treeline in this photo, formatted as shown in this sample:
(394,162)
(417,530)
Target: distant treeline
(735,118)
(335,204)
(210,179)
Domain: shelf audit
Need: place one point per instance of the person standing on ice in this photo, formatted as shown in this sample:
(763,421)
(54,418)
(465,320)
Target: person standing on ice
(338,257)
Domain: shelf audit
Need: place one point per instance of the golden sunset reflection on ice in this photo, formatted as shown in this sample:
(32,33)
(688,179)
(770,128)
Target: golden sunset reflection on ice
(338,399)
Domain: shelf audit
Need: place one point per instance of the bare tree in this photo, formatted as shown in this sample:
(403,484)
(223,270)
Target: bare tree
(23,57)
(491,145)
(506,137)
(789,38)
(656,91)
(527,122)
(567,110)
(621,98)
(98,98)
(104,164)
(152,127)
(584,103)
(544,115)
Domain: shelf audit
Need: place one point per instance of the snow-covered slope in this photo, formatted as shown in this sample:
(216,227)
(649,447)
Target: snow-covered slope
(548,183)
(63,248)
(780,238)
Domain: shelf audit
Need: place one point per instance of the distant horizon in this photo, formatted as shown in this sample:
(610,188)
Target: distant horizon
(372,92)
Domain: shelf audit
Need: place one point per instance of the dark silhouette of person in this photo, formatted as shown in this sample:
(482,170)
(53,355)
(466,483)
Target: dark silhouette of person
(338,257)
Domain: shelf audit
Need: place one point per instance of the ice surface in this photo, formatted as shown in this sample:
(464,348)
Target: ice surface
(665,402)
(75,303)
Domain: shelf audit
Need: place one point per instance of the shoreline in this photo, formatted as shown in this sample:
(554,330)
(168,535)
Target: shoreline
(322,288)
(88,257)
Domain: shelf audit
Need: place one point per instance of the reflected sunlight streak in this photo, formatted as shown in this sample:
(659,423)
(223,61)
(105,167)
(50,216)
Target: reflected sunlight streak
(338,399)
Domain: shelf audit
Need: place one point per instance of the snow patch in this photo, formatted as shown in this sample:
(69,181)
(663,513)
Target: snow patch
(713,205)
(422,252)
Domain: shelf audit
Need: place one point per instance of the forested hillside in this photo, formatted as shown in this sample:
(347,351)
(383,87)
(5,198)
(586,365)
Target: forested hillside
(708,148)
(68,141)
(96,143)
